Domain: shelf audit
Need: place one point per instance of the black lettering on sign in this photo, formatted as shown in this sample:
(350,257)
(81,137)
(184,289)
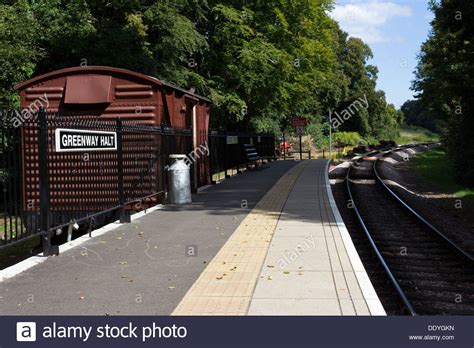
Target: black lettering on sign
(68,140)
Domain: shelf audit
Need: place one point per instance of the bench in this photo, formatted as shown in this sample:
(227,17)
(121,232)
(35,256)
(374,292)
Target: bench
(252,155)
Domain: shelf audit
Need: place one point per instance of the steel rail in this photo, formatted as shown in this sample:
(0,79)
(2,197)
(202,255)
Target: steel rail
(420,218)
(384,264)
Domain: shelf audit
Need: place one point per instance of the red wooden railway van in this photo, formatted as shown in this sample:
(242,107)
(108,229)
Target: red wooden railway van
(109,93)
(112,92)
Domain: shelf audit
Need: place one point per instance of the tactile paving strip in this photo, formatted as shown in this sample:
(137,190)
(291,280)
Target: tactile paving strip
(226,286)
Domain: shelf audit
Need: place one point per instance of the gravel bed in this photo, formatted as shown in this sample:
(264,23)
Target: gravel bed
(446,212)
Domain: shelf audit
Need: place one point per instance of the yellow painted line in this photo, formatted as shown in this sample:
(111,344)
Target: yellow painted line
(226,286)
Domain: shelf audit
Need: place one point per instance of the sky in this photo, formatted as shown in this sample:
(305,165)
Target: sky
(394,30)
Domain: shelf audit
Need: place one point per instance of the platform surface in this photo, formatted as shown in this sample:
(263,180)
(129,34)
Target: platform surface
(307,270)
(287,257)
(265,242)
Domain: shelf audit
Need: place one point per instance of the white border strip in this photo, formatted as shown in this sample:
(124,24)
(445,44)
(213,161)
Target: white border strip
(57,140)
(370,296)
(25,265)
(204,188)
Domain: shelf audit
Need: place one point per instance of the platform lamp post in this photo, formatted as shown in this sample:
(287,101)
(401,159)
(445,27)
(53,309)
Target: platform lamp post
(330,136)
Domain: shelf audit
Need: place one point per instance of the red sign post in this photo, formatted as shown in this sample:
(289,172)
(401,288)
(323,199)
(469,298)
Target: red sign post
(299,123)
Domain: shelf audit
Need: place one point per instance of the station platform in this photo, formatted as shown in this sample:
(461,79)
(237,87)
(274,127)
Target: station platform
(265,242)
(288,257)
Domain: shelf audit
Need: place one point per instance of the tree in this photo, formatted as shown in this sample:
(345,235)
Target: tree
(19,52)
(378,119)
(261,62)
(417,114)
(268,61)
(445,80)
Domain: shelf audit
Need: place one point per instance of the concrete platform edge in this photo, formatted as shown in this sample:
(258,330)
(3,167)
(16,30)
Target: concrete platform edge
(371,298)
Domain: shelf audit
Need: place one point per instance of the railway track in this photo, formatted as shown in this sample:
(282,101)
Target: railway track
(428,272)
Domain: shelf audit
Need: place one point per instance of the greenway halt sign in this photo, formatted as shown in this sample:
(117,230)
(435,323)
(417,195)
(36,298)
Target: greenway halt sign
(74,140)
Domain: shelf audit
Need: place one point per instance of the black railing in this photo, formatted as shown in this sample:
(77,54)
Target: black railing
(43,190)
(227,150)
(11,198)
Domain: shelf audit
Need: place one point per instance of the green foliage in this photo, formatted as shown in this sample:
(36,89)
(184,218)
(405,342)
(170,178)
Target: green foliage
(415,134)
(435,167)
(173,41)
(376,120)
(261,62)
(318,132)
(416,114)
(445,82)
(18,50)
(348,138)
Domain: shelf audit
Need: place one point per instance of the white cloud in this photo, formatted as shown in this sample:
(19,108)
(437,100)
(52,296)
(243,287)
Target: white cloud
(365,19)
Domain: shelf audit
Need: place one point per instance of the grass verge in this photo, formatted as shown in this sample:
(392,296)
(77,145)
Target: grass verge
(434,166)
(411,134)
(11,227)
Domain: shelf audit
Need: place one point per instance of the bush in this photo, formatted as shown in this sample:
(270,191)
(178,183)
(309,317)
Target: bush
(318,133)
(348,138)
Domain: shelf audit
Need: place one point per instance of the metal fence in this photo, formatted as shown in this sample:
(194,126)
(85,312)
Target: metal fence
(227,149)
(11,198)
(43,189)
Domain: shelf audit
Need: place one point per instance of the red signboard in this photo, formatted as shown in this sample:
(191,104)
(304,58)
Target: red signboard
(299,122)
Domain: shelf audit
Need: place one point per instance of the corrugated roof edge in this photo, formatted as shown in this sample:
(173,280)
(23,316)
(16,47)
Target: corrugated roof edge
(85,69)
(170,85)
